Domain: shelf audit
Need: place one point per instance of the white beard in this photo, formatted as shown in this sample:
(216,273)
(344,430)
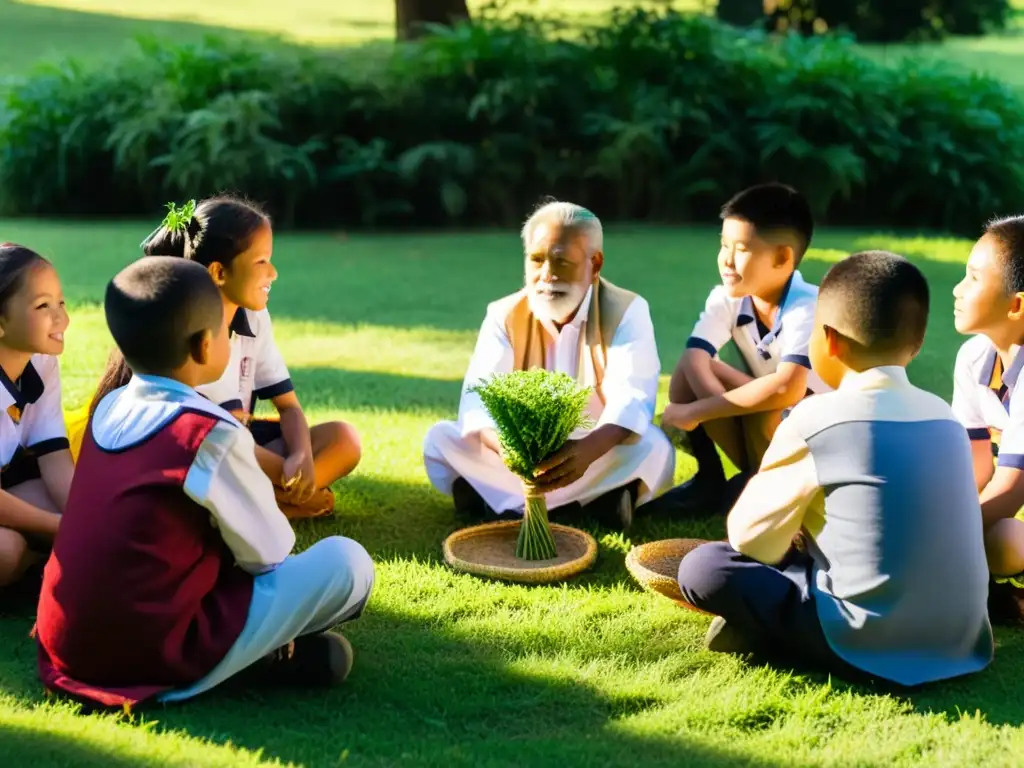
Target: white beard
(557,307)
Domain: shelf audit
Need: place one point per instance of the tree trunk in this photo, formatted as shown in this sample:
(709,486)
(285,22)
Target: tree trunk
(741,13)
(410,15)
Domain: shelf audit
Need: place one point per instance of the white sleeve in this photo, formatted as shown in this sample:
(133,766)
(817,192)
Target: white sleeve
(966,407)
(226,480)
(271,377)
(714,326)
(493,354)
(46,430)
(773,506)
(630,384)
(797,328)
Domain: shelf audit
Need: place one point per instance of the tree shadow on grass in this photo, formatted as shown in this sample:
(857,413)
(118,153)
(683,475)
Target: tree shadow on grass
(27,746)
(423,694)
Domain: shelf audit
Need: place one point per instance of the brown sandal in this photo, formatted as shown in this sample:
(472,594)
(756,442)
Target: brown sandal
(320,504)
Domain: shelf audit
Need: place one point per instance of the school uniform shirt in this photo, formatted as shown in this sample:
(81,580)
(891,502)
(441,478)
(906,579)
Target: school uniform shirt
(900,579)
(168,521)
(256,369)
(30,411)
(762,348)
(1011,446)
(981,390)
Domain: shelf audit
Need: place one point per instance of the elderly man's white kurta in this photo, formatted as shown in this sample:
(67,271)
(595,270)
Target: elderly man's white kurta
(630,386)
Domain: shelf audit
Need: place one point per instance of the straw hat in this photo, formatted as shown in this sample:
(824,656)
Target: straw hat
(490,550)
(656,565)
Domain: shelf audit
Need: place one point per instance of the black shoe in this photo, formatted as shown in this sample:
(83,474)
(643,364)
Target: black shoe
(694,498)
(615,508)
(322,660)
(722,637)
(468,502)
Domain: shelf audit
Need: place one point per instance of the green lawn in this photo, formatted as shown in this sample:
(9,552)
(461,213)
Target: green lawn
(34,30)
(452,670)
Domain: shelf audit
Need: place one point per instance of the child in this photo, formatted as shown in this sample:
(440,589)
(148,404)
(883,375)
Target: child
(989,302)
(35,464)
(764,306)
(171,571)
(895,582)
(234,241)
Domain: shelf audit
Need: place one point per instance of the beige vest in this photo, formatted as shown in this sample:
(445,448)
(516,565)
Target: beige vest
(608,305)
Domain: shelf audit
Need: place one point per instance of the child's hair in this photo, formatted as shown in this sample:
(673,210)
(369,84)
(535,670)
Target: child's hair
(157,310)
(15,263)
(878,299)
(1008,233)
(775,208)
(218,230)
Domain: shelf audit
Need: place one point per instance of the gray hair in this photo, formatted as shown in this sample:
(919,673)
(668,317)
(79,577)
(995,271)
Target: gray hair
(570,216)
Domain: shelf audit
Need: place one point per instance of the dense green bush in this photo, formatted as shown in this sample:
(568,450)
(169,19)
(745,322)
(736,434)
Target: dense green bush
(651,116)
(890,20)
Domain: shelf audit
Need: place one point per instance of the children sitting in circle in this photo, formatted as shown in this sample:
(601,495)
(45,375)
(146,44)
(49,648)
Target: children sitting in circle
(172,571)
(35,463)
(233,240)
(173,526)
(893,582)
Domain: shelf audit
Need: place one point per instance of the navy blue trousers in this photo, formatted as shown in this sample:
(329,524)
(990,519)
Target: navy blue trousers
(771,606)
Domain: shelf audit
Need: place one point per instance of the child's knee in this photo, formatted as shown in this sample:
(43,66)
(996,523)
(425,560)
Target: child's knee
(13,555)
(701,571)
(1004,547)
(344,438)
(348,557)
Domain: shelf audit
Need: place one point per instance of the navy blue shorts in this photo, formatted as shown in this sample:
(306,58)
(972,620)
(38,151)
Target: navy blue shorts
(265,431)
(22,467)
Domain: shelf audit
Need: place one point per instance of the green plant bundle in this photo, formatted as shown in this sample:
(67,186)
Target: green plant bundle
(534,413)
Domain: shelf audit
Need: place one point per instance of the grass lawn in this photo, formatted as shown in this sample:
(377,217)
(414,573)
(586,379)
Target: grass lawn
(34,30)
(452,670)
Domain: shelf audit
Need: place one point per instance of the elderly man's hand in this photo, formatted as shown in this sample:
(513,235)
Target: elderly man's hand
(568,464)
(565,466)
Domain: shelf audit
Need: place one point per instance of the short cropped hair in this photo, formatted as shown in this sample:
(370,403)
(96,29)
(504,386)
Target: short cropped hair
(1008,234)
(876,298)
(570,216)
(156,309)
(775,208)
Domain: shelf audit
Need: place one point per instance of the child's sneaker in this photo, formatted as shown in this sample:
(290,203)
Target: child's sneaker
(311,661)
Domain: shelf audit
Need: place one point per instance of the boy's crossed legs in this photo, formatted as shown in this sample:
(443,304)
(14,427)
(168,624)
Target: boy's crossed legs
(766,610)
(742,439)
(328,584)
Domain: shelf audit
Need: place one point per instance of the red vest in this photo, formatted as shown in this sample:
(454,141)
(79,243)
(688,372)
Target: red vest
(140,594)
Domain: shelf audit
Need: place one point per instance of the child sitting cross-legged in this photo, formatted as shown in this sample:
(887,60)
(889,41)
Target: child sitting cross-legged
(171,572)
(877,477)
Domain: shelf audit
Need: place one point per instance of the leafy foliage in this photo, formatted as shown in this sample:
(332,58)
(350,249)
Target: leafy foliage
(534,413)
(653,115)
(891,20)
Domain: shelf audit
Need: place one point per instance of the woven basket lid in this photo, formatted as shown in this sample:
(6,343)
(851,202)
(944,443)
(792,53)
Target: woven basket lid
(656,565)
(490,550)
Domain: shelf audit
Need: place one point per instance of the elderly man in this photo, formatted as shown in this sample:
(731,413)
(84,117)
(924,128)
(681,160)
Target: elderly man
(567,318)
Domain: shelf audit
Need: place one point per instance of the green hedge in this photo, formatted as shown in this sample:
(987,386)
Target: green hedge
(890,21)
(653,116)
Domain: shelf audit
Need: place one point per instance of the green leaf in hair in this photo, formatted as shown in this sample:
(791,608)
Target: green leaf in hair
(177,219)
